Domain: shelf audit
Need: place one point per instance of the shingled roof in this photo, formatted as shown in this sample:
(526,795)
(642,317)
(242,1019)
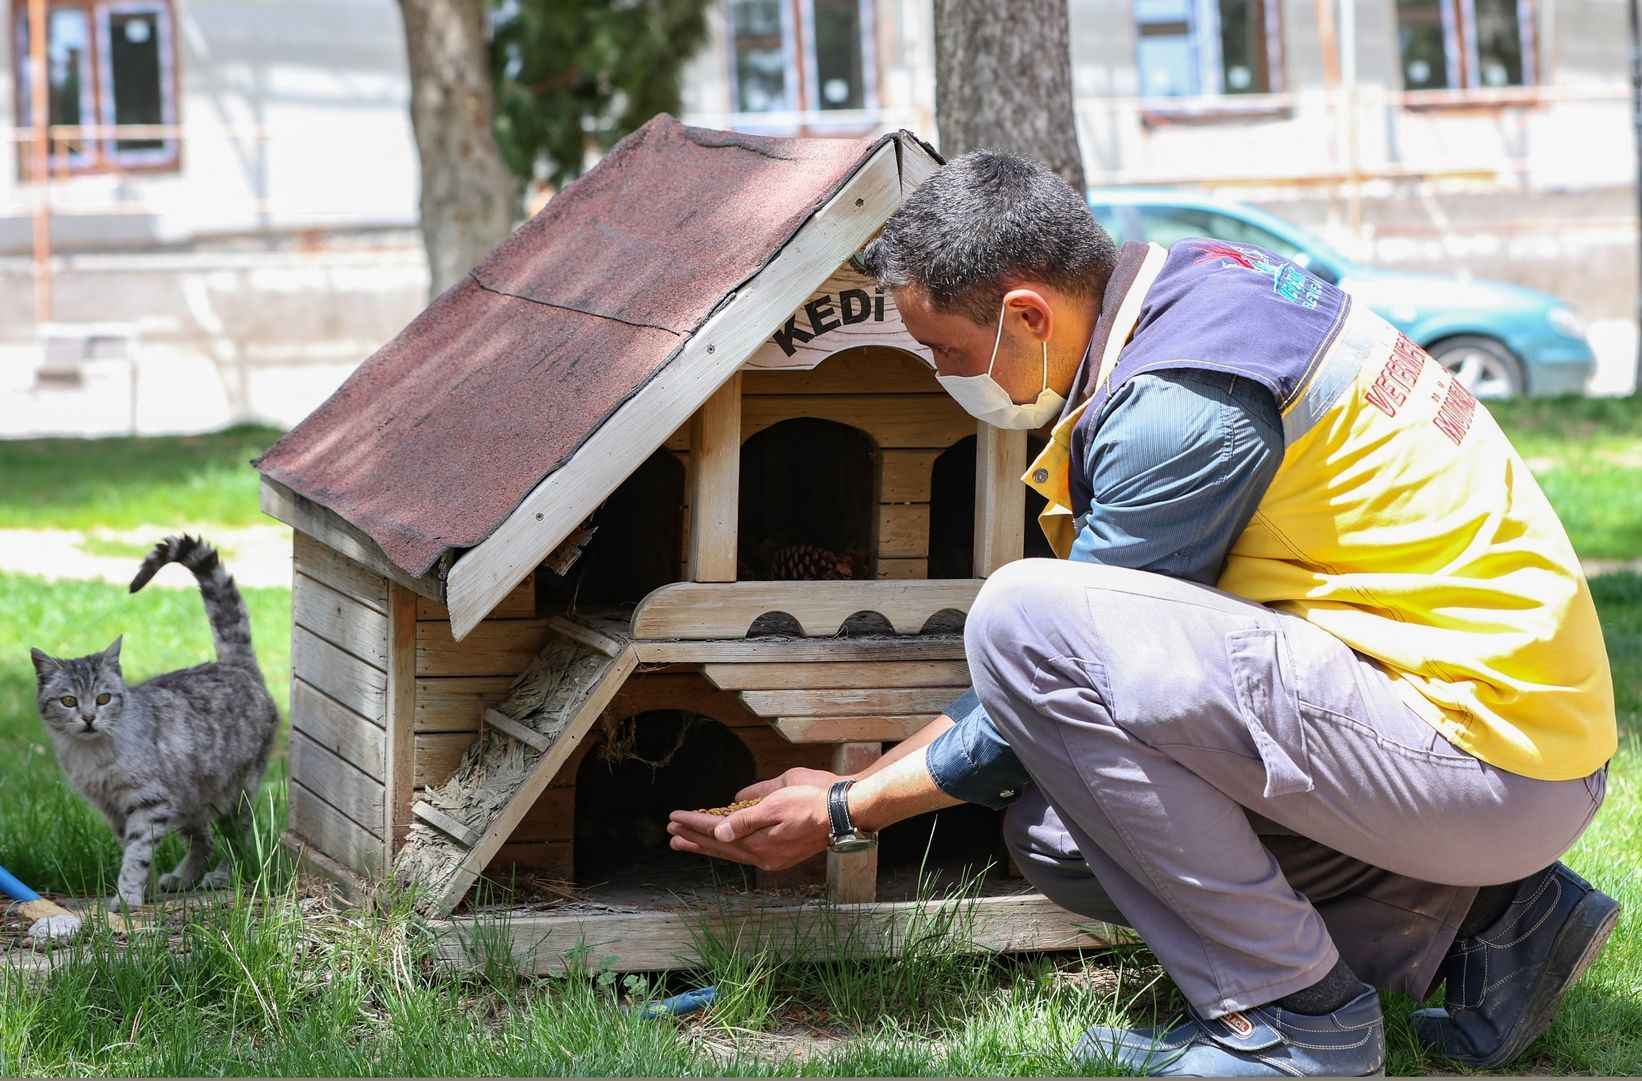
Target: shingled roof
(435,439)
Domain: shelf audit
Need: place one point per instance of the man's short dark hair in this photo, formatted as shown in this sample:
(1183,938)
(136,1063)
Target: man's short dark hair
(984,221)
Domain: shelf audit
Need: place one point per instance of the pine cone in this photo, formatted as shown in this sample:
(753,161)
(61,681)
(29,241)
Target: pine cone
(808,563)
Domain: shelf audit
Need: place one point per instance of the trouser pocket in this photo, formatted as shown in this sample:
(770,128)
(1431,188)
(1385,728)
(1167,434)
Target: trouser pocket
(1270,710)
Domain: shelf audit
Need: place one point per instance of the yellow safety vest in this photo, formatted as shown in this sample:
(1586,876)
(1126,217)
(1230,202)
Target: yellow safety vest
(1403,522)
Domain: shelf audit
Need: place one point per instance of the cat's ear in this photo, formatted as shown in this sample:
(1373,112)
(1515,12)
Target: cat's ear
(43,662)
(111,655)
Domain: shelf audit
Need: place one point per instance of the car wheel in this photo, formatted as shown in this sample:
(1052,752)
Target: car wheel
(1482,365)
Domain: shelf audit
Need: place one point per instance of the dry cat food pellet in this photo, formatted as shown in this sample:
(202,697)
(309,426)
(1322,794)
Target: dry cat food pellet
(731,809)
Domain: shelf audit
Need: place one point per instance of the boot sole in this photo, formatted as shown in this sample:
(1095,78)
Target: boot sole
(1577,945)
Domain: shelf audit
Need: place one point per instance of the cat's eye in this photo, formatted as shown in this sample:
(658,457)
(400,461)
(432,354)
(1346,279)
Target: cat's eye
(69,700)
(102,699)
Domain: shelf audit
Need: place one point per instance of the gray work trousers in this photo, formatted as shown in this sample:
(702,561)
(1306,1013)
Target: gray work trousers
(1240,787)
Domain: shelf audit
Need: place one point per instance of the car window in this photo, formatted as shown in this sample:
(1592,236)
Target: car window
(1108,219)
(1167,224)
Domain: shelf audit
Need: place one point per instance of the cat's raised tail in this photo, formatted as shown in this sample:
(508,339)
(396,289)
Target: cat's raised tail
(224,607)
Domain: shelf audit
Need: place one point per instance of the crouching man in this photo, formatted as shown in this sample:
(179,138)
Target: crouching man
(1316,695)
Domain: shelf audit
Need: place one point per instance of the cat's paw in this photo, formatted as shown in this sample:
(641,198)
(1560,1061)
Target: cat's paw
(216,879)
(121,901)
(174,882)
(56,928)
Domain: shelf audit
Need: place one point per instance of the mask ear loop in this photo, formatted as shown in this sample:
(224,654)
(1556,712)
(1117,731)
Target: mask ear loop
(997,339)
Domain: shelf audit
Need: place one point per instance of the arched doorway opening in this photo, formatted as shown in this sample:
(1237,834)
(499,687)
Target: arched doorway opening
(952,511)
(634,774)
(808,502)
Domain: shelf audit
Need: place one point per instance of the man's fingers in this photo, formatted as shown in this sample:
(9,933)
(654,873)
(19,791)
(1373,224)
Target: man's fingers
(704,844)
(748,820)
(759,790)
(695,821)
(680,843)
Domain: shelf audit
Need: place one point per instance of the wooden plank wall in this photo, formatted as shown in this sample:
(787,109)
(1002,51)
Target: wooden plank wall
(455,683)
(339,649)
(891,397)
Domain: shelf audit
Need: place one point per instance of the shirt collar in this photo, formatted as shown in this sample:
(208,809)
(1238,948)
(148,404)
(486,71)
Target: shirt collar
(1131,259)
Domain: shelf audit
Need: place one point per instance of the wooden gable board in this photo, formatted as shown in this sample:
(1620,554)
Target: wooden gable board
(561,501)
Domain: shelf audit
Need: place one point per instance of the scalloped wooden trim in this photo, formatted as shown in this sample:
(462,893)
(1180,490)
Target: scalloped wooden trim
(704,610)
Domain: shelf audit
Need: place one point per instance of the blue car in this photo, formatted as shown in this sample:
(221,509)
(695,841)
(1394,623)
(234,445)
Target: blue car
(1501,340)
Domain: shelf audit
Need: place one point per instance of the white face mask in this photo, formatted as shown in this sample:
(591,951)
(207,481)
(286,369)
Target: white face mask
(983,398)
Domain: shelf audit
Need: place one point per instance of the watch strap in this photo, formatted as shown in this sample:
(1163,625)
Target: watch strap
(838,809)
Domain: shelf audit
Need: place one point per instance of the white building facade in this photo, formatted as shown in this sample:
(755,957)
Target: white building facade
(237,179)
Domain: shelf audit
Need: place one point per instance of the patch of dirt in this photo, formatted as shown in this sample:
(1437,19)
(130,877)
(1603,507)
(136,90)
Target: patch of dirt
(1131,978)
(797,1037)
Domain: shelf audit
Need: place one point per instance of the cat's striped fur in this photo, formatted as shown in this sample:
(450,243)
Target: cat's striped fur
(177,753)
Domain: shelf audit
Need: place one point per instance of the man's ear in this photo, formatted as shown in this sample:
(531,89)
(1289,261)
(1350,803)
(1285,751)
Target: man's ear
(1033,309)
(43,662)
(111,655)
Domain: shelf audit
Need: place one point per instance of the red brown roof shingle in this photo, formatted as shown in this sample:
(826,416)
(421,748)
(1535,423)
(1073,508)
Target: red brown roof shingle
(439,434)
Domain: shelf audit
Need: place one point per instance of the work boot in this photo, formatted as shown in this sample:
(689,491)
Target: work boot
(1267,1041)
(1504,984)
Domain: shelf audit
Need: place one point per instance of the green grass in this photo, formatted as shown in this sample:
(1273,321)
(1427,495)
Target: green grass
(263,988)
(1587,455)
(267,986)
(128,482)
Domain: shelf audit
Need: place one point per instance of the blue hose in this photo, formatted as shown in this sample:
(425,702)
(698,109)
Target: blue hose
(678,1005)
(15,889)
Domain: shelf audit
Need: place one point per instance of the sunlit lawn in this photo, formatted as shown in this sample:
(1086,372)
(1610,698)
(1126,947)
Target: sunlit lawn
(1587,455)
(122,483)
(262,988)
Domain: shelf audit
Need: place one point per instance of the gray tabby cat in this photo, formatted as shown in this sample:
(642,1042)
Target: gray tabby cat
(178,753)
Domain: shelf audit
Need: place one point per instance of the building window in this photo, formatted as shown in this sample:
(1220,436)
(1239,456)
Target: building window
(761,39)
(811,56)
(1460,44)
(1190,48)
(109,63)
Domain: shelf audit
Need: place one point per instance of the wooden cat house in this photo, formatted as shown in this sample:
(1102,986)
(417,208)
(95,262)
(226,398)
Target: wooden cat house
(660,500)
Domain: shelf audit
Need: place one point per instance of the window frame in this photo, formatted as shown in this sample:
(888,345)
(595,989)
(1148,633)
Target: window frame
(1462,58)
(99,155)
(1203,35)
(105,11)
(789,60)
(866,12)
(802,112)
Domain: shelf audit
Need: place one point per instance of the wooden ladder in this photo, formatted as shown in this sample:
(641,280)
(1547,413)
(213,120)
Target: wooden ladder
(447,850)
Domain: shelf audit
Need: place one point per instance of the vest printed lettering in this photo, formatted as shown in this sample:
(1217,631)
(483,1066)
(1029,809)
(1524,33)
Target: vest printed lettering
(1401,519)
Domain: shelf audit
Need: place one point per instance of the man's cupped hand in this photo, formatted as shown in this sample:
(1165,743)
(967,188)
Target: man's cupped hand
(787,826)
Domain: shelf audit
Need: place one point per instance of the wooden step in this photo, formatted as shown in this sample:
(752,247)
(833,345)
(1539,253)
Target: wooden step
(850,729)
(500,721)
(848,702)
(837,674)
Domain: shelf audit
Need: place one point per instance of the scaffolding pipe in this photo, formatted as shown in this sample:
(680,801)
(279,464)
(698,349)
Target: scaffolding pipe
(1348,77)
(40,118)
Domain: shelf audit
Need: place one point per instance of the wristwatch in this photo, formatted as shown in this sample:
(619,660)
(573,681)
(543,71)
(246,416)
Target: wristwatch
(843,836)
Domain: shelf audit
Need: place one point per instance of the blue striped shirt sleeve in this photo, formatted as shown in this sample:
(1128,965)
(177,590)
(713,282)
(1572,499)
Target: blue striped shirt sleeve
(1179,463)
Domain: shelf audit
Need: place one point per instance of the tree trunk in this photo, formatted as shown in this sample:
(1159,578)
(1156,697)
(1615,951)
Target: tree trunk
(468,195)
(1003,81)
